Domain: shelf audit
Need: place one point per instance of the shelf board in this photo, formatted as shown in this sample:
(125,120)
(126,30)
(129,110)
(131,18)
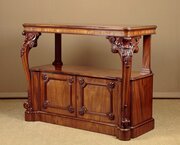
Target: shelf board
(87,71)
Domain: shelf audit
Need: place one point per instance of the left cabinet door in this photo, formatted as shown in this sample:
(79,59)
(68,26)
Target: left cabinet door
(58,93)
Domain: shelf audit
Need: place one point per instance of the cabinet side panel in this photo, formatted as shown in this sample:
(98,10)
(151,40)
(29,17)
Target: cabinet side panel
(35,91)
(141,100)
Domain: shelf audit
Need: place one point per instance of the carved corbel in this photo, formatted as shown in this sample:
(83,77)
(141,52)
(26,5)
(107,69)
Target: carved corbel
(29,42)
(125,46)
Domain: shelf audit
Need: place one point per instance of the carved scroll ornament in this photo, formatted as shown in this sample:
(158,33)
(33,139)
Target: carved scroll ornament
(28,104)
(70,109)
(125,46)
(110,116)
(110,87)
(82,110)
(125,122)
(29,41)
(45,77)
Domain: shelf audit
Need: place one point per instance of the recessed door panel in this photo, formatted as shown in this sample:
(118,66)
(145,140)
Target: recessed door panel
(58,93)
(97,99)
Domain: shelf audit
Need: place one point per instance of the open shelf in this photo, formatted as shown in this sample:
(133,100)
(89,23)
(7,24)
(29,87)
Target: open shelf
(110,101)
(86,71)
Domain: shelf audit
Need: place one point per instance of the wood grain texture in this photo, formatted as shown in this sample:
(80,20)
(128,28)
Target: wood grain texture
(141,98)
(35,87)
(146,62)
(58,55)
(75,122)
(123,31)
(58,93)
(88,71)
(30,41)
(115,102)
(99,99)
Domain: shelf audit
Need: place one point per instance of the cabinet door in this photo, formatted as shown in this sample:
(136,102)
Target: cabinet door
(98,99)
(58,93)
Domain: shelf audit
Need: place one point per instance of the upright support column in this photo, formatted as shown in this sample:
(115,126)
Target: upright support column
(146,62)
(58,59)
(125,46)
(29,42)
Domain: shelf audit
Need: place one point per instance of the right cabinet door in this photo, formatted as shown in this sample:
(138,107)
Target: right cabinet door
(98,99)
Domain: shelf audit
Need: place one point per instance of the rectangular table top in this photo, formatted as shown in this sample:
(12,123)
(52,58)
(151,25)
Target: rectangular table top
(118,30)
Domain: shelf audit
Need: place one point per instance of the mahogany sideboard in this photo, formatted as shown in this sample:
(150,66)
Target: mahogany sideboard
(115,102)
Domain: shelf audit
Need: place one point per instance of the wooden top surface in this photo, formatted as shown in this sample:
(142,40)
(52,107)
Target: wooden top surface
(87,71)
(118,30)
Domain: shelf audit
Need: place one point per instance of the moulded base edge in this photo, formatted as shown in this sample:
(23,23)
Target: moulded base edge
(100,127)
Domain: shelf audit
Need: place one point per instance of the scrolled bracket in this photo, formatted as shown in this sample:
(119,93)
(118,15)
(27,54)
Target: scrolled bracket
(125,46)
(29,41)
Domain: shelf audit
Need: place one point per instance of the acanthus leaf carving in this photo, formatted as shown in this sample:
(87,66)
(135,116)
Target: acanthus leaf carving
(29,41)
(125,121)
(125,46)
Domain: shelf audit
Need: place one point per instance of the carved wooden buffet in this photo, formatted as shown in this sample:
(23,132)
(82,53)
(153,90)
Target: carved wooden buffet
(115,102)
